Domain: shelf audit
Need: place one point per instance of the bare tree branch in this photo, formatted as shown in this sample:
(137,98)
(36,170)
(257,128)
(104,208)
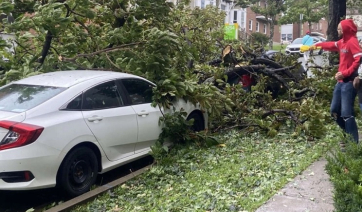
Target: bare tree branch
(83,25)
(72,11)
(113,64)
(46,47)
(113,49)
(286,112)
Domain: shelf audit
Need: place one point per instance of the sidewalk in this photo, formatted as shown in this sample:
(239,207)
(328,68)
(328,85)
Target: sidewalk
(309,192)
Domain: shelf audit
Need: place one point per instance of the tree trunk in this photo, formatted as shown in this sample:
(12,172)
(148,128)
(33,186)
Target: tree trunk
(271,33)
(309,26)
(337,10)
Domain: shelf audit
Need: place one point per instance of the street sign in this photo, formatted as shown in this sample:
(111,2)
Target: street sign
(231,31)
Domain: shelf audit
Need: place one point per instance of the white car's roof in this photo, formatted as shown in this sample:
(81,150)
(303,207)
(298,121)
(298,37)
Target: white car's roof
(70,78)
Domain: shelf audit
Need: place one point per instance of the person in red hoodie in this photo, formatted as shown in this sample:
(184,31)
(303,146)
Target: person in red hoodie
(344,93)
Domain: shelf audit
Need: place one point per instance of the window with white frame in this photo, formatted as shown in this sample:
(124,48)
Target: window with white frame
(257,26)
(242,21)
(250,24)
(235,19)
(264,28)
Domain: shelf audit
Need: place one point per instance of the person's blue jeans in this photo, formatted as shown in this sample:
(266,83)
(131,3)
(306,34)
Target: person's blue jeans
(342,109)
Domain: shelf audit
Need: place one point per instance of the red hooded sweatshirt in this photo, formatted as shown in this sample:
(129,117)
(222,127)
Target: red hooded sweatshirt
(348,47)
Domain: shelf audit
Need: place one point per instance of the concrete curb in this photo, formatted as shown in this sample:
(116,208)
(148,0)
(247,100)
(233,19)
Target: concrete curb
(68,205)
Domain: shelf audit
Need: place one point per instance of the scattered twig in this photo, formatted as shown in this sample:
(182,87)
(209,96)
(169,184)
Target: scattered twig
(286,112)
(238,126)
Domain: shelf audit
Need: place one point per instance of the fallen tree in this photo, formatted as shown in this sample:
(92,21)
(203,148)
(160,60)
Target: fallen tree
(177,48)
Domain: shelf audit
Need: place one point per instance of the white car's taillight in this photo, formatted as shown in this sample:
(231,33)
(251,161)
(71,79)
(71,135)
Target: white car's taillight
(20,134)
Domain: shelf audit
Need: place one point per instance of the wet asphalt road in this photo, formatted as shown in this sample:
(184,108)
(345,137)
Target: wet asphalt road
(21,201)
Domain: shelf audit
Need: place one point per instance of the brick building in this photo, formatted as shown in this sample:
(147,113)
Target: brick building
(259,23)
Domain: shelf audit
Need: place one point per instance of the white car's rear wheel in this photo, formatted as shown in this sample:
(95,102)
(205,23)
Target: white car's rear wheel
(78,171)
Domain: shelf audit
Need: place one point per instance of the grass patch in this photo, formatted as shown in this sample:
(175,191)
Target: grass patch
(239,176)
(277,47)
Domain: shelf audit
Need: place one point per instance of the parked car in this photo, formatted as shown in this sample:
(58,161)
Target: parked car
(294,47)
(359,38)
(63,128)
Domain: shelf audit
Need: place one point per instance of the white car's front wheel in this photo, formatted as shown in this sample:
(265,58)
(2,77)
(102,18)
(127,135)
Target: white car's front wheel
(78,171)
(198,124)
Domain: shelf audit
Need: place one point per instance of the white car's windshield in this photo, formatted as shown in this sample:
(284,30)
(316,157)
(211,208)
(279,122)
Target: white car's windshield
(19,98)
(297,41)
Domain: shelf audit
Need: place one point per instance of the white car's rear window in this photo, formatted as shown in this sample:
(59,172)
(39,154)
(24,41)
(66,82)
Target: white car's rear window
(19,97)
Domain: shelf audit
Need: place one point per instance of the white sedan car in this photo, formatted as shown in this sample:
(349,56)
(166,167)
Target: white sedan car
(63,128)
(294,47)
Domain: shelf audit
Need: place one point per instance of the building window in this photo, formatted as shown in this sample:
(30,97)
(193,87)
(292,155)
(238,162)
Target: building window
(202,4)
(257,26)
(235,16)
(259,3)
(250,24)
(320,26)
(223,7)
(284,37)
(264,28)
(242,21)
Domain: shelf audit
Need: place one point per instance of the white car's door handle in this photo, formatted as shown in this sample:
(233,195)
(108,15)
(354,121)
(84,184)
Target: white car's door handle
(95,118)
(143,113)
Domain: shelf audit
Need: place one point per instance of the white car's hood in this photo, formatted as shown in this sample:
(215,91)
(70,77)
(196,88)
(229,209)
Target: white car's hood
(294,45)
(11,116)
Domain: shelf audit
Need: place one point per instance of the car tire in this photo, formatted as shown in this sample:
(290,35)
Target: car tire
(78,171)
(198,124)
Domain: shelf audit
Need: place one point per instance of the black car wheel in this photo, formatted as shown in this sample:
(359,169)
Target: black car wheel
(78,171)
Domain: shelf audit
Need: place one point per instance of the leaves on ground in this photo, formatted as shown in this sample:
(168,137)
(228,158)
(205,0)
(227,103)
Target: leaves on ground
(240,176)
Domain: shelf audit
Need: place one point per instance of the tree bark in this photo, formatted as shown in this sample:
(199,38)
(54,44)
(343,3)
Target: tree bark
(46,47)
(337,11)
(271,24)
(309,26)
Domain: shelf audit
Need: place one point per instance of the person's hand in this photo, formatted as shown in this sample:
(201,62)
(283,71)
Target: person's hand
(356,83)
(311,48)
(339,76)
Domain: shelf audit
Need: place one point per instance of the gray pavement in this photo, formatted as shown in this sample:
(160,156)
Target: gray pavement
(309,192)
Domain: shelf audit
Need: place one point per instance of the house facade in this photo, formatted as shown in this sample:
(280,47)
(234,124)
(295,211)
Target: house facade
(249,22)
